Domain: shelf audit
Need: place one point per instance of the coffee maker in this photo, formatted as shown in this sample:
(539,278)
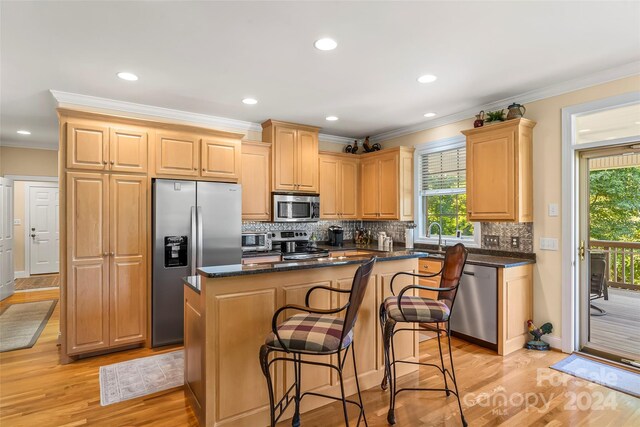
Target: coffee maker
(336,235)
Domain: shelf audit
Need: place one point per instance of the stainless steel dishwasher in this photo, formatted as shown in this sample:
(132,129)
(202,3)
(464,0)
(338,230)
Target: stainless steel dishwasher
(475,312)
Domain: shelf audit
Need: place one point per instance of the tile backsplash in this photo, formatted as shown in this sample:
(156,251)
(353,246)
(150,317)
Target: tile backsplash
(494,235)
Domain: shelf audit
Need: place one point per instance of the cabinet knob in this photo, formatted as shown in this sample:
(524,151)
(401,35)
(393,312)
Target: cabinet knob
(104,162)
(105,254)
(112,162)
(111,253)
(203,169)
(195,169)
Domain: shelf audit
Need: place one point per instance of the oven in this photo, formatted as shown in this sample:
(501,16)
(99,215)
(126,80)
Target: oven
(256,242)
(296,207)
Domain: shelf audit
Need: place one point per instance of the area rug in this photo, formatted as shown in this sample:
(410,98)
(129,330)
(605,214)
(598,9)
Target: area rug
(600,373)
(21,324)
(140,377)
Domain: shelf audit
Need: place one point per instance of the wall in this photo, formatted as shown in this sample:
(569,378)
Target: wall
(28,161)
(547,171)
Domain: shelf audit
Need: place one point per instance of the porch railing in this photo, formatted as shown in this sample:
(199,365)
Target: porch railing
(623,262)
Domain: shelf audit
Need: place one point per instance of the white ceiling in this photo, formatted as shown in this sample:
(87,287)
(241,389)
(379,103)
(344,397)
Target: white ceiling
(205,57)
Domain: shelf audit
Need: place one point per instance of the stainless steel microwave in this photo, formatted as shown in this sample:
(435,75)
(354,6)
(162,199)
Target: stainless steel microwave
(296,207)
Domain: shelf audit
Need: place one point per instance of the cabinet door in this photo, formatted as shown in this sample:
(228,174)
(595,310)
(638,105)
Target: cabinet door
(128,236)
(128,150)
(284,152)
(87,146)
(370,193)
(221,158)
(348,190)
(388,187)
(176,154)
(307,161)
(87,262)
(491,175)
(256,182)
(428,266)
(329,187)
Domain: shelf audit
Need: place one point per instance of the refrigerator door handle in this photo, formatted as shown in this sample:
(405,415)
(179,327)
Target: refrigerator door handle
(200,233)
(194,228)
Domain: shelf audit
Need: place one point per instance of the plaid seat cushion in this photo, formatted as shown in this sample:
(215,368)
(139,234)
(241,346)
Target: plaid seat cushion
(310,332)
(416,309)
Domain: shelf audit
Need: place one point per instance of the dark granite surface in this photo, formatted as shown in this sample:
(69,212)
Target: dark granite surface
(193,282)
(241,270)
(488,258)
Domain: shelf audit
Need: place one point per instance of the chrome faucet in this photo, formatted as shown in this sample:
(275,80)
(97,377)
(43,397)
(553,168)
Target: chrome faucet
(439,234)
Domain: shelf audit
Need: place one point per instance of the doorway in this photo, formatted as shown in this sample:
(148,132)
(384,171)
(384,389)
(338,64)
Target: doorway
(609,254)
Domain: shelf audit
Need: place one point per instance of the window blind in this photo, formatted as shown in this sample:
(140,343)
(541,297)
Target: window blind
(443,170)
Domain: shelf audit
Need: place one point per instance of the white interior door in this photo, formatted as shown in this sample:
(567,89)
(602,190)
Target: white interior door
(7,282)
(43,229)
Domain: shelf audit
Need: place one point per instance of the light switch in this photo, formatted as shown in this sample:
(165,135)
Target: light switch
(17,221)
(553,209)
(548,244)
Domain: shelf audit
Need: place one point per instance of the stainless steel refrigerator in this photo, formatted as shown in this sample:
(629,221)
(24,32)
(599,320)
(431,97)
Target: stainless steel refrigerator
(195,224)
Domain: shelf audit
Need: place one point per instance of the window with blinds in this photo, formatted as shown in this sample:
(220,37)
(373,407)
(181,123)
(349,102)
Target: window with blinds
(443,171)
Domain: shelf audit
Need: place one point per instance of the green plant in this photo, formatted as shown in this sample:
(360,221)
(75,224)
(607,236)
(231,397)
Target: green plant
(494,116)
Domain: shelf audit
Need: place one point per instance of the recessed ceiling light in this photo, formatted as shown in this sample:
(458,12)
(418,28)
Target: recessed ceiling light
(325,44)
(24,132)
(638,123)
(584,130)
(130,77)
(331,118)
(609,138)
(250,101)
(427,78)
(429,114)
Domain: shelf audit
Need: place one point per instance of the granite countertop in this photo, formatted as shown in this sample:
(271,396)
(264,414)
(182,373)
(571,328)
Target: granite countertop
(241,270)
(487,259)
(193,282)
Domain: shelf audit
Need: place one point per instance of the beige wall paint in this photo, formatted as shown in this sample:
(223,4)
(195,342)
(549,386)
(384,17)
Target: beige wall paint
(28,161)
(547,188)
(18,230)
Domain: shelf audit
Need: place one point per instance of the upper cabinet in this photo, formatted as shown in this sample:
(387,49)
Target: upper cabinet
(387,184)
(177,154)
(256,181)
(221,158)
(103,148)
(499,172)
(338,186)
(295,155)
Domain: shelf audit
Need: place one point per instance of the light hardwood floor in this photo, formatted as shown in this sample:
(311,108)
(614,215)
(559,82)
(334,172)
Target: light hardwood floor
(35,390)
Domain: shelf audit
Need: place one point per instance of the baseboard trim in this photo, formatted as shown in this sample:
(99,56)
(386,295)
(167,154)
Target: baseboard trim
(553,341)
(20,274)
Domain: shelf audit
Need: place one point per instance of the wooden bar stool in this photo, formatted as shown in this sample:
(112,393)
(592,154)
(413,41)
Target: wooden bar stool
(317,332)
(422,311)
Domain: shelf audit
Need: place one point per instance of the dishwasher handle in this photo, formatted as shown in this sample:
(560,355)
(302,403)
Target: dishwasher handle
(469,273)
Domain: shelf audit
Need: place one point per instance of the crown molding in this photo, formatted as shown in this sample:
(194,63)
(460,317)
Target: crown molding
(142,111)
(32,145)
(601,77)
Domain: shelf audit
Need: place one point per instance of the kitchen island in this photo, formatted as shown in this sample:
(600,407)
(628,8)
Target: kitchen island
(228,312)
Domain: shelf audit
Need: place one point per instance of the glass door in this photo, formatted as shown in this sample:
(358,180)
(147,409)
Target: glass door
(609,253)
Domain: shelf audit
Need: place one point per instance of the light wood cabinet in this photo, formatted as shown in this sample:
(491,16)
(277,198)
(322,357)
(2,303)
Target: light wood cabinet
(128,255)
(106,284)
(128,150)
(256,181)
(87,146)
(499,172)
(429,266)
(387,184)
(338,186)
(221,158)
(295,155)
(177,154)
(87,281)
(515,307)
(103,148)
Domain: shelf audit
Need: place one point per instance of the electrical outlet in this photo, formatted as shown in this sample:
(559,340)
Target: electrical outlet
(548,244)
(553,209)
(491,240)
(17,221)
(515,242)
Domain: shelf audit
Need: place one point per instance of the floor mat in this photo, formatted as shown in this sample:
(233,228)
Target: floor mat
(21,324)
(140,377)
(609,376)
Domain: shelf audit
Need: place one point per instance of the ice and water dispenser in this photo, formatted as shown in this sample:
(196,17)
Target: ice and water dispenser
(175,251)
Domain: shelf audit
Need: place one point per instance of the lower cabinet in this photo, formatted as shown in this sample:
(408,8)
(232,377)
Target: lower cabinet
(106,261)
